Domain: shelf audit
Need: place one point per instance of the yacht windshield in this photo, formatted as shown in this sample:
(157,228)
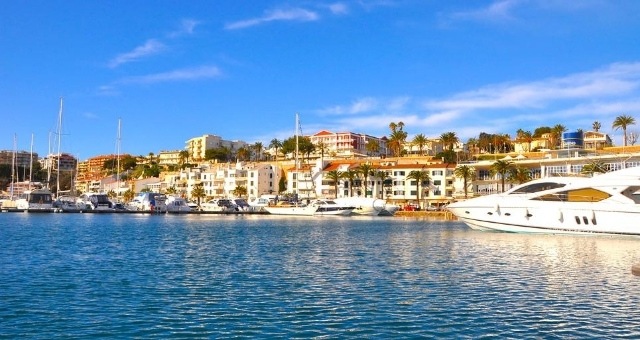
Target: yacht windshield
(537,187)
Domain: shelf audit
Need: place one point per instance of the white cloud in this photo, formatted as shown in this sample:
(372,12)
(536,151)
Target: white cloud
(197,73)
(338,8)
(150,47)
(573,100)
(294,14)
(187,27)
(497,11)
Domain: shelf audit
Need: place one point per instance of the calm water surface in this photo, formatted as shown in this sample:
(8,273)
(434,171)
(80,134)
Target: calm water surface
(127,276)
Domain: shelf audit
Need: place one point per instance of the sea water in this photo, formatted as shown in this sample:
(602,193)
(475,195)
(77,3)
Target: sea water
(164,276)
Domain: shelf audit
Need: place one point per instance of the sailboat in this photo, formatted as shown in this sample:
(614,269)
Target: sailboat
(295,208)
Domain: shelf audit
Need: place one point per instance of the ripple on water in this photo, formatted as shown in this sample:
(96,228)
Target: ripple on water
(87,276)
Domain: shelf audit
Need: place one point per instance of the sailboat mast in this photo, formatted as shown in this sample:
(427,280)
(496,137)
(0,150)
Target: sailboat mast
(13,163)
(59,156)
(31,162)
(118,161)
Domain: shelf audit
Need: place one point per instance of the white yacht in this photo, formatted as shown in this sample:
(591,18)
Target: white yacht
(96,201)
(177,205)
(368,206)
(286,208)
(604,204)
(218,205)
(37,200)
(330,207)
(149,201)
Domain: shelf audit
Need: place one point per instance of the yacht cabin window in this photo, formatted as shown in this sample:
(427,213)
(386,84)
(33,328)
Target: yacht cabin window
(537,187)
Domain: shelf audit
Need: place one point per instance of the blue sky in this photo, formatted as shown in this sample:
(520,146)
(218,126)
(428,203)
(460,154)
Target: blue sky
(173,70)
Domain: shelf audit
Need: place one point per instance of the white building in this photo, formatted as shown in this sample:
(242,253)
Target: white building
(198,146)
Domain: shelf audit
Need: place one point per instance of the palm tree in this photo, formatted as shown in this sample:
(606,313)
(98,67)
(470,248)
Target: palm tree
(275,144)
(519,174)
(366,170)
(501,167)
(593,167)
(596,126)
(183,158)
(257,147)
(420,176)
(334,176)
(171,191)
(449,139)
(198,192)
(556,133)
(322,147)
(128,195)
(397,138)
(527,136)
(622,122)
(420,141)
(382,175)
(372,146)
(243,154)
(466,173)
(240,191)
(350,175)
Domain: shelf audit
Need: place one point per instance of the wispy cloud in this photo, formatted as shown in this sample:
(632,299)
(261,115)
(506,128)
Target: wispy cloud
(581,98)
(338,8)
(150,47)
(294,14)
(203,72)
(187,27)
(500,10)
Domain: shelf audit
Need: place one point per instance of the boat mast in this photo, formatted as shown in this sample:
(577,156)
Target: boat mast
(13,163)
(59,156)
(31,162)
(296,160)
(118,161)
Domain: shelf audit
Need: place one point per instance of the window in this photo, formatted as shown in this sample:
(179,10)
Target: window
(437,173)
(398,173)
(577,195)
(437,182)
(538,187)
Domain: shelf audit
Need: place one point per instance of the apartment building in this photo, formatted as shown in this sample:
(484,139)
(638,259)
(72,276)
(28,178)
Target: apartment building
(22,158)
(347,144)
(198,146)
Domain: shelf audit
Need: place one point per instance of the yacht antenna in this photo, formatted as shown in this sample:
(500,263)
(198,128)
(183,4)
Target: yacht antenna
(59,156)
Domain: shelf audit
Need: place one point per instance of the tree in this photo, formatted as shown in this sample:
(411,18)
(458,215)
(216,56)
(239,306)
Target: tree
(322,147)
(221,154)
(519,174)
(421,177)
(198,192)
(366,170)
(171,191)
(372,147)
(243,154)
(594,167)
(334,176)
(350,175)
(128,195)
(112,194)
(397,138)
(622,122)
(382,175)
(501,167)
(420,141)
(596,126)
(449,139)
(275,144)
(466,173)
(556,134)
(240,191)
(257,148)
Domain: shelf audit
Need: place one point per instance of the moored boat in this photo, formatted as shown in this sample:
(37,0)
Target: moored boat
(604,204)
(330,207)
(368,206)
(36,200)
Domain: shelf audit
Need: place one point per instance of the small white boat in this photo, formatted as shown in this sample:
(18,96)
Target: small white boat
(330,207)
(368,206)
(177,205)
(96,201)
(149,201)
(69,204)
(37,200)
(294,209)
(604,204)
(218,205)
